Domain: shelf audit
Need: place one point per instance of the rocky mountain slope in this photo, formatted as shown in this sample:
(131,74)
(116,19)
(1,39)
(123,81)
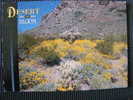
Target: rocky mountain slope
(86,18)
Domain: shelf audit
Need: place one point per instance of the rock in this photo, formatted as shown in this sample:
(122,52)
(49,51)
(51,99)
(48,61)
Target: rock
(113,79)
(84,87)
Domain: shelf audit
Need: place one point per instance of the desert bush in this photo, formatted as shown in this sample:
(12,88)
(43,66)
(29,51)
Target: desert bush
(99,82)
(99,78)
(32,79)
(120,38)
(27,66)
(78,13)
(74,74)
(25,69)
(84,43)
(106,47)
(92,69)
(62,47)
(119,48)
(107,75)
(26,41)
(49,55)
(116,37)
(80,48)
(96,58)
(44,87)
(70,77)
(59,46)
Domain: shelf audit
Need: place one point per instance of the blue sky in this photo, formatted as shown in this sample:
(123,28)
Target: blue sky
(44,8)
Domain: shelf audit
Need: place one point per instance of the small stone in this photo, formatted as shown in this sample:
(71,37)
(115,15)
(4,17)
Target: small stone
(114,80)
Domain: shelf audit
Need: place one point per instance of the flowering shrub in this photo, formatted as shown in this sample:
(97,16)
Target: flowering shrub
(23,69)
(107,75)
(118,47)
(83,50)
(31,79)
(95,58)
(78,64)
(99,82)
(74,75)
(60,46)
(81,47)
(112,44)
(85,43)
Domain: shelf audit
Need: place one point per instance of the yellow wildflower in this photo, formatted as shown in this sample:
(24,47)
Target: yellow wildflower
(107,75)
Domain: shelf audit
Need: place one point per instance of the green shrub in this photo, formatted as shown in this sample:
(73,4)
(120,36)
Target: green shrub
(26,40)
(105,47)
(99,82)
(49,55)
(116,37)
(120,38)
(78,13)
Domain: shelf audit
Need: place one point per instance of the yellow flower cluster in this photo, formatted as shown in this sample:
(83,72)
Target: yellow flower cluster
(98,41)
(107,75)
(78,47)
(123,60)
(77,50)
(95,58)
(63,47)
(60,46)
(125,76)
(85,43)
(65,89)
(33,78)
(32,62)
(118,47)
(82,47)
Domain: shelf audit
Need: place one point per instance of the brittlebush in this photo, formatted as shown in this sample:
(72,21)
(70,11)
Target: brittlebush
(118,47)
(94,52)
(32,79)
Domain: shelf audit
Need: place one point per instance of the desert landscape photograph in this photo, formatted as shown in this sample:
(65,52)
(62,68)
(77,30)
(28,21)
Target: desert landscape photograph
(75,45)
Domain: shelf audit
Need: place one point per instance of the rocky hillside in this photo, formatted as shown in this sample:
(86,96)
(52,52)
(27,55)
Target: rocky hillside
(86,18)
